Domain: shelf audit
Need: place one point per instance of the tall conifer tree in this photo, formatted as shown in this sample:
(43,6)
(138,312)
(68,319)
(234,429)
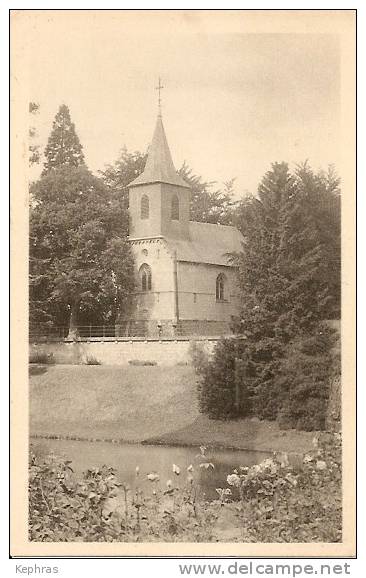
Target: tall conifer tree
(63,147)
(81,266)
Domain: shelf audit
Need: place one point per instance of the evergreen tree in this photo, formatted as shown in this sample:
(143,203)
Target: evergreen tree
(289,277)
(63,147)
(34,155)
(81,266)
(310,246)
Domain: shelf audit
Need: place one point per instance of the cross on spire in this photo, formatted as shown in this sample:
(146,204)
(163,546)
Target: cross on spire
(159,88)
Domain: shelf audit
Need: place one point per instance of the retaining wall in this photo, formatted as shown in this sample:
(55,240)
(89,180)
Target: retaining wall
(121,352)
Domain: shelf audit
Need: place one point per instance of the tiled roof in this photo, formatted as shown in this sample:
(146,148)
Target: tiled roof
(159,166)
(208,243)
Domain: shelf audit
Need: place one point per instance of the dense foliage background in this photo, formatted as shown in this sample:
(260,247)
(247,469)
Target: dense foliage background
(290,288)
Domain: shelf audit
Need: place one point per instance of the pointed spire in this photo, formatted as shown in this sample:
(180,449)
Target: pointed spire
(159,166)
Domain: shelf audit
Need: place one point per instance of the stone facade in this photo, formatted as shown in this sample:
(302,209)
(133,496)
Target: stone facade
(121,352)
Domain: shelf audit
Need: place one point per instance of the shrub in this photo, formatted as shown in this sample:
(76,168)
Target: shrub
(198,356)
(290,383)
(303,381)
(219,377)
(63,507)
(91,360)
(281,503)
(268,502)
(265,355)
(141,362)
(41,357)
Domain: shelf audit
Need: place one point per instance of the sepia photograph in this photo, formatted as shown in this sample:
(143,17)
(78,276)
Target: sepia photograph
(183,339)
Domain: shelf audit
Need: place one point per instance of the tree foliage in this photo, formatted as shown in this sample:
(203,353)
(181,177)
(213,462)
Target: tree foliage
(289,278)
(33,147)
(120,174)
(79,254)
(209,205)
(63,147)
(81,266)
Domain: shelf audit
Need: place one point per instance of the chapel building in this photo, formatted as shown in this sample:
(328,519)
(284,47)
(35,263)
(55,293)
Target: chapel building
(185,282)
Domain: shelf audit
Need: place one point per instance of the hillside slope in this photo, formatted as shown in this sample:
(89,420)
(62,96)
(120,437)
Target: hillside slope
(120,402)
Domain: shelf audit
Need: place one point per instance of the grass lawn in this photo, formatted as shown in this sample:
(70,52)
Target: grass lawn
(120,402)
(246,434)
(154,404)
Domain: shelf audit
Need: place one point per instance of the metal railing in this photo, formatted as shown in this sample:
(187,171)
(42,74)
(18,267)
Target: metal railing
(62,332)
(126,328)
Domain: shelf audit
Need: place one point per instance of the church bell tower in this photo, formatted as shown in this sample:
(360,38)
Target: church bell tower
(159,199)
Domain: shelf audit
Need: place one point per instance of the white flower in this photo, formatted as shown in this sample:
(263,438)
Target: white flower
(190,468)
(268,463)
(153,477)
(320,465)
(137,470)
(233,480)
(169,484)
(176,469)
(307,459)
(291,479)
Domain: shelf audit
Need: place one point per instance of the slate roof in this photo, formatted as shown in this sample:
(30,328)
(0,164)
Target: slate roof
(159,166)
(207,244)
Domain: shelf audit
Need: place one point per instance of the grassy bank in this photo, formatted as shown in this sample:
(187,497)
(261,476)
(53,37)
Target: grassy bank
(246,434)
(153,404)
(120,402)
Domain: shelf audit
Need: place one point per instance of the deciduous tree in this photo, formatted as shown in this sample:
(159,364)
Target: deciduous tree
(81,266)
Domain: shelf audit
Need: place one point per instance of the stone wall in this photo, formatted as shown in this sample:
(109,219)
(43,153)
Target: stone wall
(120,352)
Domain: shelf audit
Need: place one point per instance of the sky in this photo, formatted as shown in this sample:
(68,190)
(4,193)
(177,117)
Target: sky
(233,101)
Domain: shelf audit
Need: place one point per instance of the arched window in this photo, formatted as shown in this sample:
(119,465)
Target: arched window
(145,207)
(220,287)
(175,208)
(145,277)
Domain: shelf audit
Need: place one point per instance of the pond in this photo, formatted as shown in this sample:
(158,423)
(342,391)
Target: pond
(153,458)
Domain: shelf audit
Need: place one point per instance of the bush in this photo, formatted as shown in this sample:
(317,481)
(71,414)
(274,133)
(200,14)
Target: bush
(264,363)
(141,362)
(267,502)
(281,503)
(198,356)
(290,383)
(91,360)
(218,378)
(41,357)
(303,382)
(98,508)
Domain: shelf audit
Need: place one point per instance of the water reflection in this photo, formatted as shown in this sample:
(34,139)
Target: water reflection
(124,458)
